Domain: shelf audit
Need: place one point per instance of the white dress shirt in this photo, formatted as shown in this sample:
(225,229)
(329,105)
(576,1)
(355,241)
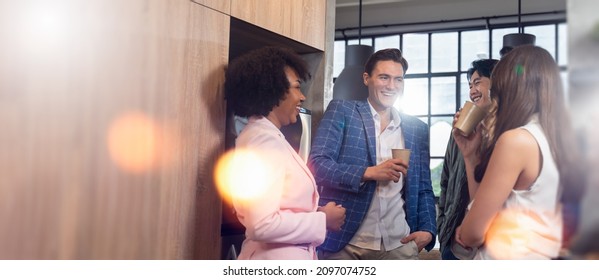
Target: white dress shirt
(386,219)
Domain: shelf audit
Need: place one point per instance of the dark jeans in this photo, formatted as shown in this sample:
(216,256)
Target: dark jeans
(446,254)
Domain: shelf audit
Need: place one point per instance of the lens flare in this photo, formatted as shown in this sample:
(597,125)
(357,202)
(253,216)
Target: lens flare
(519,233)
(243,174)
(132,142)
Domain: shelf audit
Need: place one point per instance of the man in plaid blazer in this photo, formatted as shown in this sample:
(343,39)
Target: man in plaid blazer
(390,207)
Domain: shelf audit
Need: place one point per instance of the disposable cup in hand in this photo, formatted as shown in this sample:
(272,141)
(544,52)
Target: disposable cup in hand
(403,154)
(470,117)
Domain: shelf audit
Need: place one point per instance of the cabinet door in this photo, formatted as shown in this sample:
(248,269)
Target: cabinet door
(203,125)
(301,20)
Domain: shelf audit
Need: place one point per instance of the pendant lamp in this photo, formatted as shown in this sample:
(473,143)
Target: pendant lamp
(510,41)
(350,84)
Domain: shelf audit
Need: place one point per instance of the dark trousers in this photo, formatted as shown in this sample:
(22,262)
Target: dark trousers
(446,254)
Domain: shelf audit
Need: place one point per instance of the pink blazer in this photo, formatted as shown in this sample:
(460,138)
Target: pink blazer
(283,223)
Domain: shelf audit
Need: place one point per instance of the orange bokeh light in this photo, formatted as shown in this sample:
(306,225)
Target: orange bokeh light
(514,231)
(133,142)
(243,175)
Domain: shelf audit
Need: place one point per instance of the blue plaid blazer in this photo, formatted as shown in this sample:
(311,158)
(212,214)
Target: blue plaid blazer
(344,146)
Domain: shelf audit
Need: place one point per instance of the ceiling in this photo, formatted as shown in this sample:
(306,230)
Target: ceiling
(381,12)
(351,3)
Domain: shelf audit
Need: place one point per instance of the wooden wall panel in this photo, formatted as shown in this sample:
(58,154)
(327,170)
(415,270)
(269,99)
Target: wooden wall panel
(301,20)
(207,56)
(321,85)
(219,5)
(112,116)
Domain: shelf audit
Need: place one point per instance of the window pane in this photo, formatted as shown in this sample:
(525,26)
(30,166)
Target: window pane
(444,54)
(440,132)
(415,49)
(497,35)
(562,44)
(545,37)
(386,42)
(365,41)
(436,169)
(338,58)
(464,91)
(475,45)
(443,96)
(415,98)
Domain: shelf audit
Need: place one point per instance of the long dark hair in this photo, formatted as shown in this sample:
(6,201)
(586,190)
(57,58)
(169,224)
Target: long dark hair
(526,82)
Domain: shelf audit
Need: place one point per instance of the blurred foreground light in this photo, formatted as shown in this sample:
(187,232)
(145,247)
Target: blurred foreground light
(132,142)
(243,174)
(45,26)
(514,232)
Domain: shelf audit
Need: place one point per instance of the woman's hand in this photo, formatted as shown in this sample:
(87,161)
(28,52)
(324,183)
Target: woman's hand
(335,214)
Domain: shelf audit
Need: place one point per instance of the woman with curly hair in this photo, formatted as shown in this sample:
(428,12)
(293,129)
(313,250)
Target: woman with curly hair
(284,222)
(527,166)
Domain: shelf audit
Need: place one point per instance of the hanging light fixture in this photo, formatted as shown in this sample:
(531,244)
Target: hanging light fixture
(350,85)
(513,40)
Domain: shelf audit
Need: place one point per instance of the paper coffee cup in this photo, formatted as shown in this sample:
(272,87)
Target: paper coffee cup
(470,117)
(403,154)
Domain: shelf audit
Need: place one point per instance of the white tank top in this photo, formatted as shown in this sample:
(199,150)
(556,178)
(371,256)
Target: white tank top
(530,225)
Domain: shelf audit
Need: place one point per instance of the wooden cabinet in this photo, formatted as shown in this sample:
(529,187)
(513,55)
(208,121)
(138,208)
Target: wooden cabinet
(219,5)
(301,20)
(113,117)
(112,122)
